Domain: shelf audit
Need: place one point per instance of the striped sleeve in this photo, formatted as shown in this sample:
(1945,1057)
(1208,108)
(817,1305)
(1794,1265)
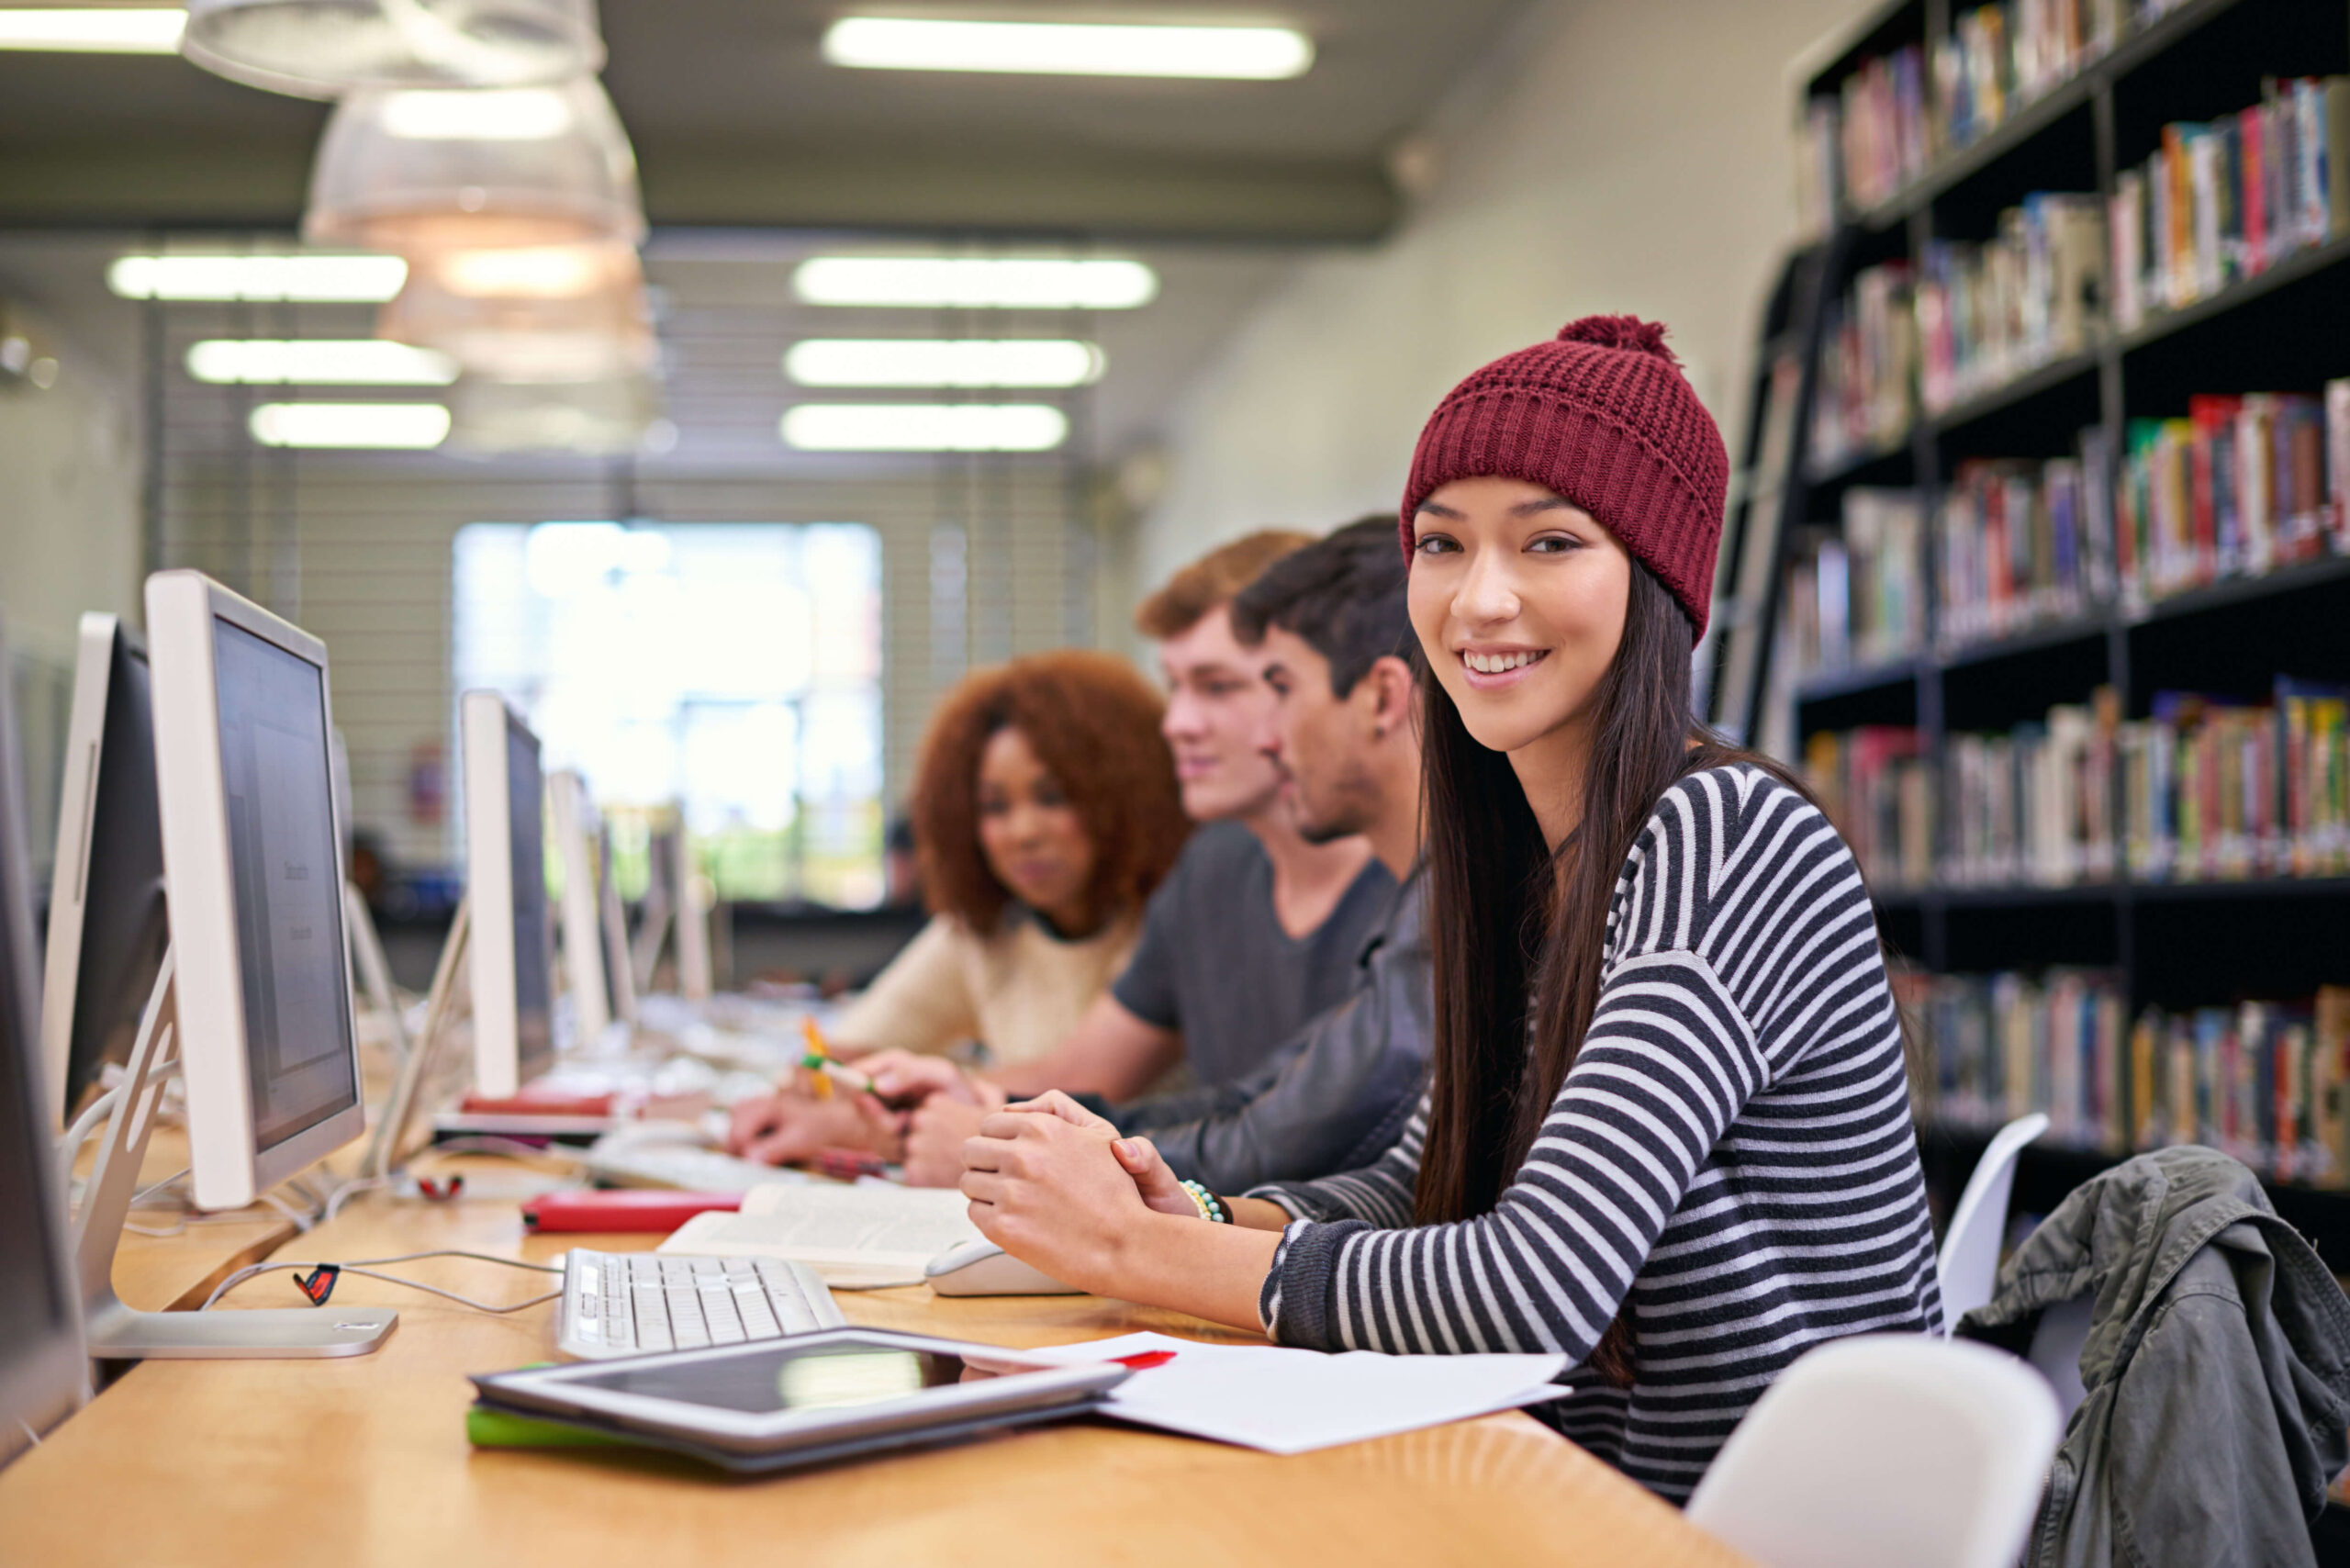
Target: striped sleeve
(1705,935)
(1378,1194)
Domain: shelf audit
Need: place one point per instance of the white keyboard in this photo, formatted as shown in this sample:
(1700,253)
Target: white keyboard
(629,1303)
(687,1167)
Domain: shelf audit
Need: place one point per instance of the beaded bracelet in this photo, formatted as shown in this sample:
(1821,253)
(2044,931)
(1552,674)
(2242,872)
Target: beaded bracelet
(1212,1208)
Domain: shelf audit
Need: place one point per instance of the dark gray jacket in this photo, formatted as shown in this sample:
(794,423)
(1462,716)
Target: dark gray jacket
(1330,1099)
(2217,1368)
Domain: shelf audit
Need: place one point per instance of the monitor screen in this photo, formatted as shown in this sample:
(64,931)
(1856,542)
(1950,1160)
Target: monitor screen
(41,1304)
(125,923)
(34,1302)
(278,774)
(533,930)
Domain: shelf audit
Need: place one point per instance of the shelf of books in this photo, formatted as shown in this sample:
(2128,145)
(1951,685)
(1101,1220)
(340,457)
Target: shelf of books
(2062,633)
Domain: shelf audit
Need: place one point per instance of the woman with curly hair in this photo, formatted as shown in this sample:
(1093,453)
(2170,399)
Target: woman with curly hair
(1045,811)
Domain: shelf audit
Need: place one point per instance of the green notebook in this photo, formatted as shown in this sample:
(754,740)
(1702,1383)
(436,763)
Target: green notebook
(489,1428)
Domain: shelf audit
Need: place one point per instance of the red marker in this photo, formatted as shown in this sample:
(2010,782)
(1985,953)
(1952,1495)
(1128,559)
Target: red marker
(1141,1361)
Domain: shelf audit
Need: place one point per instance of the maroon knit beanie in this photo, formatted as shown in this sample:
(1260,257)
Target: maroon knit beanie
(1603,415)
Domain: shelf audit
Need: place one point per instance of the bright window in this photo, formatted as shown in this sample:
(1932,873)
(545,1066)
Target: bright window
(732,668)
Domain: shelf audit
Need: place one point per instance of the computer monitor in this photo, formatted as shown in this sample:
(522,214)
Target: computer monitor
(43,1375)
(108,925)
(583,927)
(657,907)
(510,946)
(620,969)
(253,857)
(696,980)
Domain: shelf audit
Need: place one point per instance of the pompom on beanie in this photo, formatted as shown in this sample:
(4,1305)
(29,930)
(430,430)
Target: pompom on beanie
(1601,415)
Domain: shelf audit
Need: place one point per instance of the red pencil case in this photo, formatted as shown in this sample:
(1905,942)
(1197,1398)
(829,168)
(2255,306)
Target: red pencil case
(541,1105)
(623,1209)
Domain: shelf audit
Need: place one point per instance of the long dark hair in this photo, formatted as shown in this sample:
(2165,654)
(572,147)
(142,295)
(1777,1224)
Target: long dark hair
(1519,932)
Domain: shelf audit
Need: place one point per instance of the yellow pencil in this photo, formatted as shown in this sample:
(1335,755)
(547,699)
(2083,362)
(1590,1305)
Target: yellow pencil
(820,1061)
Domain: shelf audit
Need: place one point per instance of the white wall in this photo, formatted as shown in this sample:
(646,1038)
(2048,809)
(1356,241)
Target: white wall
(1614,156)
(69,498)
(70,465)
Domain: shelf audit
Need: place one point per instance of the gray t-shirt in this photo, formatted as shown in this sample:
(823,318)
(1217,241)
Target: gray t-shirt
(1215,966)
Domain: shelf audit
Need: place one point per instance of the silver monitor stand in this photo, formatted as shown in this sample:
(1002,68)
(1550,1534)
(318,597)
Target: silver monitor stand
(409,1091)
(374,968)
(119,1333)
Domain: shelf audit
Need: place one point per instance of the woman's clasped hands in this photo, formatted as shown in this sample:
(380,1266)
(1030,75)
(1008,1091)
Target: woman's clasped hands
(1055,1185)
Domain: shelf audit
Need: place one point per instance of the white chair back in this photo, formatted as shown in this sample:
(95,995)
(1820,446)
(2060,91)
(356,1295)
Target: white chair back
(1970,1255)
(1885,1449)
(2057,1341)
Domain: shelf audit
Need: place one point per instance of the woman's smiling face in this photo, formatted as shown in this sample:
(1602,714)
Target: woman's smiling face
(1519,598)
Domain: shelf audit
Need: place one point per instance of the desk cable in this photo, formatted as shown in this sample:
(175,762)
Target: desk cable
(143,1200)
(366,1269)
(93,1116)
(341,1193)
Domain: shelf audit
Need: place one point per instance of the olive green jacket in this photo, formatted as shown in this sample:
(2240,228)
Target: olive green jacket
(2217,1368)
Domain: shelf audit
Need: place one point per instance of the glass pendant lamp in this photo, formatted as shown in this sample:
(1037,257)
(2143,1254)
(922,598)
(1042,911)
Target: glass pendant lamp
(594,418)
(324,48)
(423,171)
(538,315)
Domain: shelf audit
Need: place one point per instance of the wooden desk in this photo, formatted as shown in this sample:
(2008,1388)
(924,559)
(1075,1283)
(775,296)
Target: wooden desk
(361,1462)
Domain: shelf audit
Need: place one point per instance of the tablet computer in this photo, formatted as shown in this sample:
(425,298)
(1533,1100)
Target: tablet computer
(804,1399)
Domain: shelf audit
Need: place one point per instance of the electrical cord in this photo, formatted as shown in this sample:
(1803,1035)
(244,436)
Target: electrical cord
(366,1268)
(93,1116)
(311,1186)
(351,1189)
(152,1188)
(302,1221)
(87,1122)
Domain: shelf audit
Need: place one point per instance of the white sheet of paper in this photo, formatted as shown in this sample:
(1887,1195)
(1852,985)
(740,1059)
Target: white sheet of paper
(859,1237)
(1284,1401)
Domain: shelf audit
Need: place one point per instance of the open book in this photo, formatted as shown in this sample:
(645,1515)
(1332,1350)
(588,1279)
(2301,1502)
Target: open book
(854,1236)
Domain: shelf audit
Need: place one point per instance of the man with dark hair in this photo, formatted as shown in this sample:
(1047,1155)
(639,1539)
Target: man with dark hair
(1326,624)
(1338,595)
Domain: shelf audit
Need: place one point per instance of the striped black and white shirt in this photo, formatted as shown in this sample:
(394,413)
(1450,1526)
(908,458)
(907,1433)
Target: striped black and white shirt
(1732,1150)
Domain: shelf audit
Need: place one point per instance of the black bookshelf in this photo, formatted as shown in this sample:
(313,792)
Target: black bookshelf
(2046,1172)
(2176,944)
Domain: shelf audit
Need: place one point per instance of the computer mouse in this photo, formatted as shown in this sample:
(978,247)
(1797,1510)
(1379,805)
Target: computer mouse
(981,1268)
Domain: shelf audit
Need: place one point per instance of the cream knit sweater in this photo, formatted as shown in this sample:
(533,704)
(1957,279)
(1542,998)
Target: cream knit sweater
(1020,992)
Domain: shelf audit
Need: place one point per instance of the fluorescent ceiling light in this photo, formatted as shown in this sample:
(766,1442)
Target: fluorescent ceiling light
(364,280)
(95,31)
(924,427)
(318,362)
(498,113)
(916,362)
(1060,49)
(383,426)
(975,283)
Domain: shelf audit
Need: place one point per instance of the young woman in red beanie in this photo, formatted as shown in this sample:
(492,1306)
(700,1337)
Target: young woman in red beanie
(1667,1129)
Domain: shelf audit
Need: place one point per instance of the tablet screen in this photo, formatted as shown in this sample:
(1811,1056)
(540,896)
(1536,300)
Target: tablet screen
(784,1377)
